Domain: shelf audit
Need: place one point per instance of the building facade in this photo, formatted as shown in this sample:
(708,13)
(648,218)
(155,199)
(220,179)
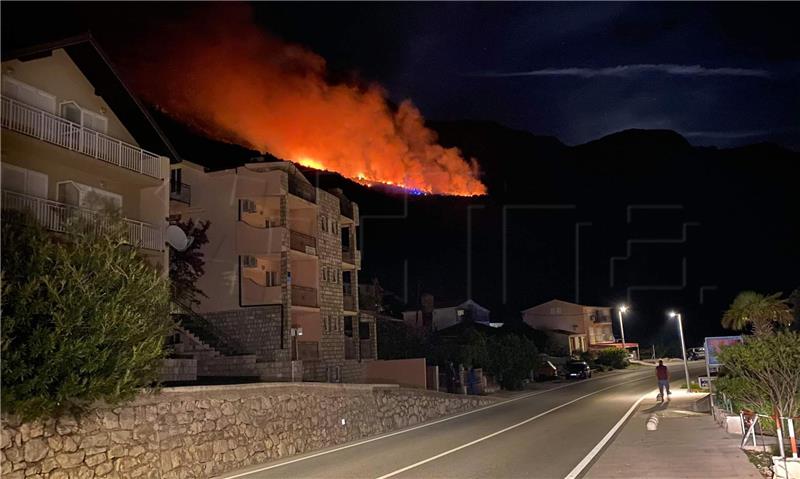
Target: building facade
(573,327)
(76,144)
(281,274)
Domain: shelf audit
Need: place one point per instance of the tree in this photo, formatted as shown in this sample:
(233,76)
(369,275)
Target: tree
(762,373)
(186,267)
(757,310)
(613,357)
(511,359)
(84,317)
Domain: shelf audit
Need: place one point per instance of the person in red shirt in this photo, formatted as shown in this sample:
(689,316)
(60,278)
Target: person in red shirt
(662,373)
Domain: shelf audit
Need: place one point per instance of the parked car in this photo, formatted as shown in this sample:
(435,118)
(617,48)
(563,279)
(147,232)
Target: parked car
(546,372)
(577,370)
(696,353)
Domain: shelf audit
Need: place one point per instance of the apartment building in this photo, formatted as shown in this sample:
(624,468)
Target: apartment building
(281,274)
(76,142)
(574,327)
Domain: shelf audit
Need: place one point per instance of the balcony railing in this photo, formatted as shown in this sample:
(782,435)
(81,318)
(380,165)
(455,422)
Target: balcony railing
(302,189)
(55,216)
(304,296)
(349,348)
(366,349)
(346,207)
(348,302)
(302,242)
(31,121)
(180,192)
(349,256)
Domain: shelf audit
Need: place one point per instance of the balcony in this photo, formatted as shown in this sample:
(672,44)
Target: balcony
(300,188)
(254,294)
(55,216)
(348,299)
(303,242)
(346,207)
(304,296)
(180,192)
(254,240)
(366,349)
(349,256)
(349,348)
(31,121)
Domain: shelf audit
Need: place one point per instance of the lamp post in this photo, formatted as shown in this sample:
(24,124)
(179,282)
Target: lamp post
(673,314)
(622,309)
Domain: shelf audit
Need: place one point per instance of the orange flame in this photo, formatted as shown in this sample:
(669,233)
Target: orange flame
(224,75)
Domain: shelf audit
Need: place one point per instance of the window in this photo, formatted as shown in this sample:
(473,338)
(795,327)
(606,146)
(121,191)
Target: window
(82,116)
(23,180)
(248,206)
(324,273)
(249,262)
(335,227)
(323,222)
(29,95)
(272,278)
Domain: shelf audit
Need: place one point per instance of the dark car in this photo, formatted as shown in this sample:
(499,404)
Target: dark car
(577,370)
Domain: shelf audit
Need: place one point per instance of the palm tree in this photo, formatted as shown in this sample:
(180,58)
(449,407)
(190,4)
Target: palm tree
(757,310)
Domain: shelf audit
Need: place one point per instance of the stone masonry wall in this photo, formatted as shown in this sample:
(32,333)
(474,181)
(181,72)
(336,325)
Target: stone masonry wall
(256,329)
(198,432)
(329,249)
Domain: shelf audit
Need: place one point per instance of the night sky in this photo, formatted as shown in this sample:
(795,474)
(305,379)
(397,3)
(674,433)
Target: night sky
(719,74)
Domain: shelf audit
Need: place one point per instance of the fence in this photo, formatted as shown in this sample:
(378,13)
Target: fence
(31,121)
(55,216)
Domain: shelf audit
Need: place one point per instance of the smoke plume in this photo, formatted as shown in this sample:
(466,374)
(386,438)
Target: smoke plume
(221,73)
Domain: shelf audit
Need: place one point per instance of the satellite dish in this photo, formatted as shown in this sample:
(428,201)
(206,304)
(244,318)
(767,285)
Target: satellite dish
(177,238)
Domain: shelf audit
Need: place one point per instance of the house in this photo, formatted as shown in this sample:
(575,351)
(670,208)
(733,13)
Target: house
(281,275)
(77,142)
(435,317)
(574,327)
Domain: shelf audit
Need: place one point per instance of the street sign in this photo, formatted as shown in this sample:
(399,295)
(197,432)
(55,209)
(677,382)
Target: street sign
(705,381)
(713,346)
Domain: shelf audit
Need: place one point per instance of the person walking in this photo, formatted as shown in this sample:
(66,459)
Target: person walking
(662,374)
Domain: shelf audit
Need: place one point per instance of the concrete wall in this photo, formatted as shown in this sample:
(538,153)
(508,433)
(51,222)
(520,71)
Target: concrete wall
(198,432)
(405,372)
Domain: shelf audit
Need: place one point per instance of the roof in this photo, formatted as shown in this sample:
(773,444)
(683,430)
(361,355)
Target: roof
(92,61)
(565,302)
(563,331)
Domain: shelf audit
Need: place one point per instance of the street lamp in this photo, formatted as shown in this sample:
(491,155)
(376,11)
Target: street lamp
(673,314)
(622,309)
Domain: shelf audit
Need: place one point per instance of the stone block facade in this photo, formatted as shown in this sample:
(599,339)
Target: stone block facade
(258,330)
(199,432)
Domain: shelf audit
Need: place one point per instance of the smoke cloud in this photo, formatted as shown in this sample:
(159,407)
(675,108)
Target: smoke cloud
(221,73)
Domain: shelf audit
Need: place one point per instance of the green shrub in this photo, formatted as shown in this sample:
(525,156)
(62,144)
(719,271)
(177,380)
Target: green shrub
(84,317)
(613,358)
(762,373)
(511,359)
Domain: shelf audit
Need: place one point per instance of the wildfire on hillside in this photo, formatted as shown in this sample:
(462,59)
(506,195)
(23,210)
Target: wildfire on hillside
(226,76)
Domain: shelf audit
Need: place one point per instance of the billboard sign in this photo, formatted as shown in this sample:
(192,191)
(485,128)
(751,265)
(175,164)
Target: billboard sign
(713,346)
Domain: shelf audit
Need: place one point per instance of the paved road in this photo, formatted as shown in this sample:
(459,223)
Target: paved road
(543,434)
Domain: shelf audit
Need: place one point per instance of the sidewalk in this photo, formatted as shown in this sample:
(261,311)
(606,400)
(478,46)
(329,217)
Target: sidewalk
(687,444)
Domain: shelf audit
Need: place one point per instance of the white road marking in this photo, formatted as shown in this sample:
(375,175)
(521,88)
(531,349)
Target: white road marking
(403,431)
(600,445)
(501,431)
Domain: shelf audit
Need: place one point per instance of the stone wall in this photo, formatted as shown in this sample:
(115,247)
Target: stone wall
(257,329)
(329,249)
(196,432)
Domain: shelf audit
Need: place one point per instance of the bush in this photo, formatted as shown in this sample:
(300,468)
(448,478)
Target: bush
(613,357)
(84,318)
(511,359)
(762,373)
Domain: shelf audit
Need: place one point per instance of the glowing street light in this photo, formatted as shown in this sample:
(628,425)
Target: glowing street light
(673,314)
(622,309)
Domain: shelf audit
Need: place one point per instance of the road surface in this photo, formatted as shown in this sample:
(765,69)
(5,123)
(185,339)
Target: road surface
(541,434)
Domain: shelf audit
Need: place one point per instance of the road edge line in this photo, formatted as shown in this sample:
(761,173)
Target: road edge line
(577,470)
